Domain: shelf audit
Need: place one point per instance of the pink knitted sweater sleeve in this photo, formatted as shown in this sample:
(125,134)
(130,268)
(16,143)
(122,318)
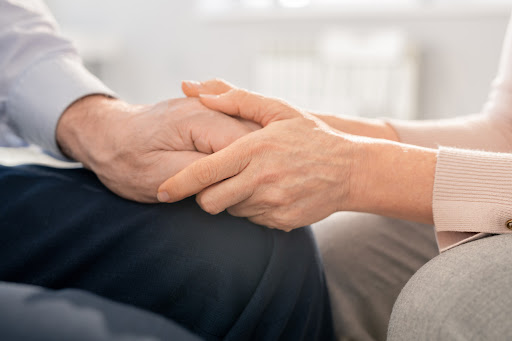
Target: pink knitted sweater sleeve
(473,182)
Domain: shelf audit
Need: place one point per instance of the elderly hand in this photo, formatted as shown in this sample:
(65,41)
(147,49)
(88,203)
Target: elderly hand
(369,127)
(293,172)
(133,149)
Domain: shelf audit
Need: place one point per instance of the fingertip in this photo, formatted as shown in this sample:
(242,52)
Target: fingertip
(219,85)
(163,196)
(206,205)
(164,193)
(190,88)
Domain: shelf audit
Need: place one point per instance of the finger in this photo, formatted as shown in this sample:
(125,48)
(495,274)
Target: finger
(263,220)
(246,209)
(204,172)
(172,163)
(212,86)
(253,126)
(227,193)
(260,219)
(216,132)
(250,106)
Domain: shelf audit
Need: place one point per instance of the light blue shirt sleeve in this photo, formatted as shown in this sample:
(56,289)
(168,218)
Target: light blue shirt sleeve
(41,74)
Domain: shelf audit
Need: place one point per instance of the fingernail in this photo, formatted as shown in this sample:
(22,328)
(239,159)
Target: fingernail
(208,96)
(192,84)
(163,196)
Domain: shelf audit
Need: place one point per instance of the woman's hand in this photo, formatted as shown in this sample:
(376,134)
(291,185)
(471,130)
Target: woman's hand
(298,170)
(293,172)
(361,126)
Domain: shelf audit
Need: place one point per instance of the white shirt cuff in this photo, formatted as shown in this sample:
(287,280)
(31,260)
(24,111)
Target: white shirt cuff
(44,92)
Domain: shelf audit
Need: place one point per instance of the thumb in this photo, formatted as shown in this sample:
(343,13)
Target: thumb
(250,106)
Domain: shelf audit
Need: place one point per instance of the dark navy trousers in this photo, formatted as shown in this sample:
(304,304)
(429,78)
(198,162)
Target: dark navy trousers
(220,277)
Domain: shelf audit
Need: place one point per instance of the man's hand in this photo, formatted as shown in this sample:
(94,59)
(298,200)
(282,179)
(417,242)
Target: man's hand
(133,149)
(293,172)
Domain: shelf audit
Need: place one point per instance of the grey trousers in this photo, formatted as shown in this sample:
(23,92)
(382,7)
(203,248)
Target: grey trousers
(372,265)
(463,294)
(30,313)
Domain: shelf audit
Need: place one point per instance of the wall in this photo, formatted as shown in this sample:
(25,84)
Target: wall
(162,42)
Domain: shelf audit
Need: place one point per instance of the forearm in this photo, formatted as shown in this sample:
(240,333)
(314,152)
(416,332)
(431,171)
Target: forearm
(486,131)
(360,126)
(394,180)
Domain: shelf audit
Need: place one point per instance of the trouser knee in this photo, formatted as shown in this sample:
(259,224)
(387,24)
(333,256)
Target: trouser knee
(220,276)
(461,294)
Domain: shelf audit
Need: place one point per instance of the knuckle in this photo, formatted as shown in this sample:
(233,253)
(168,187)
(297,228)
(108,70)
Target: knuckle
(218,80)
(282,198)
(241,94)
(205,173)
(208,204)
(284,221)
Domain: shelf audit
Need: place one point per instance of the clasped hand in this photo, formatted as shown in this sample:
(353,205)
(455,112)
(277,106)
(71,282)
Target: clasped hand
(293,172)
(134,148)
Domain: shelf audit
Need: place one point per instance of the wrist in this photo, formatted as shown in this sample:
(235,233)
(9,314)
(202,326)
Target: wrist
(369,127)
(85,125)
(359,174)
(394,180)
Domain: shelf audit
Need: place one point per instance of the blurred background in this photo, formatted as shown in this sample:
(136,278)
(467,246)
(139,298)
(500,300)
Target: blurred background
(399,58)
(411,59)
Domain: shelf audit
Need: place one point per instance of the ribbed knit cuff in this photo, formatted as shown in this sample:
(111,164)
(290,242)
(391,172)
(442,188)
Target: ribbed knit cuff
(472,195)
